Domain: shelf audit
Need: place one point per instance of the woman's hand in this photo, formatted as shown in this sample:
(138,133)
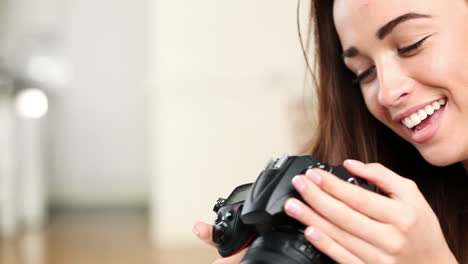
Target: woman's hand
(204,232)
(353,225)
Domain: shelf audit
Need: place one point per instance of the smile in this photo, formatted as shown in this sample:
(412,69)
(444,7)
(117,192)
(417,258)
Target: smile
(417,117)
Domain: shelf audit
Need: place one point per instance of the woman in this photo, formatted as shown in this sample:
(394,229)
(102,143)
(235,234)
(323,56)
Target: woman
(393,93)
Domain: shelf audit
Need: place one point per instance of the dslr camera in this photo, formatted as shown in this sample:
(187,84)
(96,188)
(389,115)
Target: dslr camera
(253,215)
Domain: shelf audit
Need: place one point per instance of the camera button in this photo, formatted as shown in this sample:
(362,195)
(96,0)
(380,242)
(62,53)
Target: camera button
(322,166)
(306,248)
(219,217)
(221,233)
(352,180)
(229,216)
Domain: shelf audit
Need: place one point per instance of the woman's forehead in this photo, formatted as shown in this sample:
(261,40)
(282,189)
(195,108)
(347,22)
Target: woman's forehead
(363,18)
(367,9)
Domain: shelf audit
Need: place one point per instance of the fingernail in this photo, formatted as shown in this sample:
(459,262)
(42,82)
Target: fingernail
(299,183)
(314,176)
(292,208)
(354,162)
(195,231)
(312,234)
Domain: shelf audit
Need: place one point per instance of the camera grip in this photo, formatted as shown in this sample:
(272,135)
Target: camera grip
(230,235)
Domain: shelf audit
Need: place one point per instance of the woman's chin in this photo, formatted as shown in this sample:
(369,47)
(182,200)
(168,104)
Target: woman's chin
(440,160)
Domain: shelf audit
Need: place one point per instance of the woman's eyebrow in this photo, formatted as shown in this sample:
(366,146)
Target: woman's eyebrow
(385,30)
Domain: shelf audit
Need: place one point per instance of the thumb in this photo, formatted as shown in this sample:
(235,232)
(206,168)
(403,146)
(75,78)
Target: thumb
(204,232)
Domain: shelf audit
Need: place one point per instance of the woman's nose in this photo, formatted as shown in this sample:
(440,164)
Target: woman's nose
(394,84)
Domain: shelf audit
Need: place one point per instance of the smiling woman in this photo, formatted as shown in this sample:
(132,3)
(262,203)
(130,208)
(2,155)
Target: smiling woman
(397,68)
(392,94)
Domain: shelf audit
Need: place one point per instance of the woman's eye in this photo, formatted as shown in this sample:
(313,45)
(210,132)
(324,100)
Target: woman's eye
(365,76)
(410,50)
(407,51)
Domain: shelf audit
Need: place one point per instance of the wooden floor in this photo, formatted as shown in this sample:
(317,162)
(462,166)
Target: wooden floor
(96,236)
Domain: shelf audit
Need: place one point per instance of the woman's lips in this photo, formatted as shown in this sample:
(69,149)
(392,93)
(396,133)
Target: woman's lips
(428,128)
(419,114)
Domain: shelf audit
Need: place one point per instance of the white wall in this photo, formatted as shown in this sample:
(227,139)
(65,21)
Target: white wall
(226,78)
(97,133)
(98,140)
(99,121)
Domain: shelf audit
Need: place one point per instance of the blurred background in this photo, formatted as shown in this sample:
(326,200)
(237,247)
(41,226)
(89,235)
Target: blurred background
(123,121)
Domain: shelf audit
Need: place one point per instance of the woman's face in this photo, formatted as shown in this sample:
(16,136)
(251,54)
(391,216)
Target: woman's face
(411,60)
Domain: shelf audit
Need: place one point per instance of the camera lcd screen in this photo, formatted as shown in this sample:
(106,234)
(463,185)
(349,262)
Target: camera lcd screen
(239,194)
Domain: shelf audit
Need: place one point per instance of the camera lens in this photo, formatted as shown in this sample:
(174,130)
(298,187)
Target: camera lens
(284,246)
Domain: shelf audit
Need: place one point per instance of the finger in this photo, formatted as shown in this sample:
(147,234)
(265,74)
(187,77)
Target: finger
(204,232)
(330,248)
(371,204)
(234,259)
(388,181)
(339,213)
(353,244)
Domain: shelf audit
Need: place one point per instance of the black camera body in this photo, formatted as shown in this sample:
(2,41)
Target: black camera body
(253,215)
(230,234)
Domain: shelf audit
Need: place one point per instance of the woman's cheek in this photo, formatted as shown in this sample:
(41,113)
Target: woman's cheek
(370,94)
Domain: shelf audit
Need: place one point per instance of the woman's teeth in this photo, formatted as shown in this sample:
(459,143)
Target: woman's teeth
(416,118)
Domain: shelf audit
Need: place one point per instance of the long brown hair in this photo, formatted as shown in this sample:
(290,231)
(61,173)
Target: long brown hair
(346,129)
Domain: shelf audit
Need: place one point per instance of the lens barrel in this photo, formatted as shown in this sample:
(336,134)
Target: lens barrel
(284,246)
